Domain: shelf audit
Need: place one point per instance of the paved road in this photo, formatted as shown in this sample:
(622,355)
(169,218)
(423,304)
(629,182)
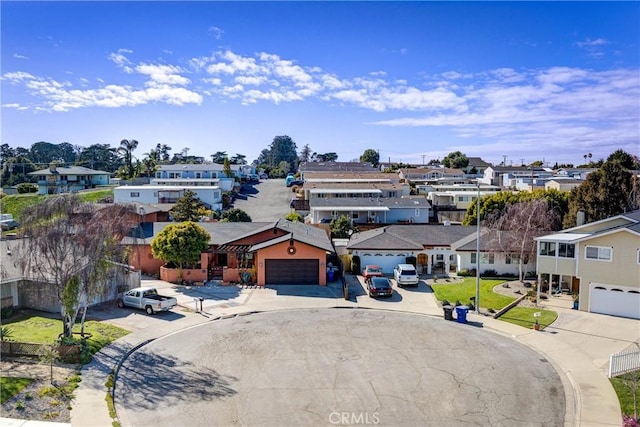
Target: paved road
(325,366)
(266,201)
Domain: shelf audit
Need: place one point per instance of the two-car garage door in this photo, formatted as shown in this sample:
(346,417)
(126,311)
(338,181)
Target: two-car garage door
(292,272)
(614,300)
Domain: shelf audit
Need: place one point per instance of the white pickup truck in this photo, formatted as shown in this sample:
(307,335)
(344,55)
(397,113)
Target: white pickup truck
(148,299)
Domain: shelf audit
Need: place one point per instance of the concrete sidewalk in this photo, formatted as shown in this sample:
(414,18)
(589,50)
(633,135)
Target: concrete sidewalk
(578,344)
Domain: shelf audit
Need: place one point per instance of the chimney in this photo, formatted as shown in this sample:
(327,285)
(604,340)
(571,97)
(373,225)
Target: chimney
(52,167)
(580,217)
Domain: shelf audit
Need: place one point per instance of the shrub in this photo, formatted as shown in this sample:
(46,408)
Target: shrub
(26,187)
(467,273)
(6,312)
(490,273)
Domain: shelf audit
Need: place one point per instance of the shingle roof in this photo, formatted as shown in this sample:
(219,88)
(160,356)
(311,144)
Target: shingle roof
(365,202)
(409,236)
(71,170)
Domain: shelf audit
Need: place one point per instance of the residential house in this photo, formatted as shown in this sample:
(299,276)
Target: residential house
(211,196)
(562,184)
(22,288)
(362,167)
(281,252)
(506,176)
(433,175)
(202,171)
(600,261)
(56,179)
(372,210)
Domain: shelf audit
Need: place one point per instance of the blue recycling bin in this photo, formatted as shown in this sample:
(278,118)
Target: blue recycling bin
(461,313)
(331,275)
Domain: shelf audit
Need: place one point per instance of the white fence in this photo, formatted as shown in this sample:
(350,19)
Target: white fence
(624,362)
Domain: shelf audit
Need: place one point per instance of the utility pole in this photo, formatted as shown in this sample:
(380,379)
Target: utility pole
(423,156)
(504,160)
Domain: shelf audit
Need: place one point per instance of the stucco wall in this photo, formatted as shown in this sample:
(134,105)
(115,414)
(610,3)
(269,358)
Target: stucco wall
(623,269)
(279,251)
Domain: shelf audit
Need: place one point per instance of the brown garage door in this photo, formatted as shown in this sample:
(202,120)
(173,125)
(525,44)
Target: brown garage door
(291,272)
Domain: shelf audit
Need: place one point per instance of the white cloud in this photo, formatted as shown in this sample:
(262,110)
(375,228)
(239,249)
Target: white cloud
(18,56)
(216,32)
(592,43)
(534,108)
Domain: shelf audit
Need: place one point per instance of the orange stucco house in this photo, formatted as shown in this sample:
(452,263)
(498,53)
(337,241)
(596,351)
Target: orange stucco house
(281,252)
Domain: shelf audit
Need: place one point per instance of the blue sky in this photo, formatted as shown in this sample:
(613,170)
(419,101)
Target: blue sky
(415,80)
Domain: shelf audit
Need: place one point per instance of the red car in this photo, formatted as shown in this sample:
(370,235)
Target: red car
(370,271)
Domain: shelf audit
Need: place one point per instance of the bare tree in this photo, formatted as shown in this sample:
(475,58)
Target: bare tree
(512,231)
(69,245)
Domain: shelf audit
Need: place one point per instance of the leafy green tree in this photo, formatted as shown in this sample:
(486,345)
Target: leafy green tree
(188,208)
(218,157)
(126,149)
(180,244)
(293,217)
(628,161)
(305,153)
(238,159)
(456,160)
(608,191)
(226,168)
(235,215)
(370,156)
(341,226)
(324,157)
(99,157)
(497,203)
(282,148)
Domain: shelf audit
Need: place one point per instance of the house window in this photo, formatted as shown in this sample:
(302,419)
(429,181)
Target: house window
(334,214)
(417,212)
(134,194)
(392,194)
(487,258)
(548,248)
(355,215)
(512,259)
(599,253)
(198,175)
(566,250)
(473,258)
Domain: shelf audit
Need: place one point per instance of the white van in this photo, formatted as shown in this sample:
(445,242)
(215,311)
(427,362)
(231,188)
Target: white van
(405,274)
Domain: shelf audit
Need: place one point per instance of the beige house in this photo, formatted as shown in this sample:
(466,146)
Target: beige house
(566,184)
(600,261)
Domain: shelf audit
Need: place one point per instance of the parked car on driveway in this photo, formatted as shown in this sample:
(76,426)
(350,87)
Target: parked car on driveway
(148,299)
(405,274)
(371,270)
(379,287)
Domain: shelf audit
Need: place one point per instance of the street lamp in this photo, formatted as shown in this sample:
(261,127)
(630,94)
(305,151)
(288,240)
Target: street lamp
(477,302)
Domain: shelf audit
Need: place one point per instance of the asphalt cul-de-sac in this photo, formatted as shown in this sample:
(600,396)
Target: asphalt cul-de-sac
(338,367)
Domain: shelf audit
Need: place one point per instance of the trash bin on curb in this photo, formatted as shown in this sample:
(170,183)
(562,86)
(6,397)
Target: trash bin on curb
(461,313)
(448,312)
(331,275)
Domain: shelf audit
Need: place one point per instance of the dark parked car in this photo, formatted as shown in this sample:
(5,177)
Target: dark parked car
(379,287)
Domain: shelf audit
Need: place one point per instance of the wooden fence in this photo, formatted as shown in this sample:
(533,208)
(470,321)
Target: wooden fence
(69,353)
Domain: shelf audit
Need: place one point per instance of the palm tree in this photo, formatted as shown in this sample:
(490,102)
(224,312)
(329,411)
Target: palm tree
(126,148)
(590,156)
(585,159)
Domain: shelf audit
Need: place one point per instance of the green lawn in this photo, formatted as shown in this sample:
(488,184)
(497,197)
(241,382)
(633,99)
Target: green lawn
(467,289)
(9,387)
(43,330)
(624,392)
(15,204)
(523,316)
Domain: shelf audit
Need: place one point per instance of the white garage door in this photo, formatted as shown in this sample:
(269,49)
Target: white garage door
(614,300)
(386,260)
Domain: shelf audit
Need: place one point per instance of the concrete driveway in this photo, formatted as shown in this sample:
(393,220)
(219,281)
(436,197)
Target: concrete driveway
(337,367)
